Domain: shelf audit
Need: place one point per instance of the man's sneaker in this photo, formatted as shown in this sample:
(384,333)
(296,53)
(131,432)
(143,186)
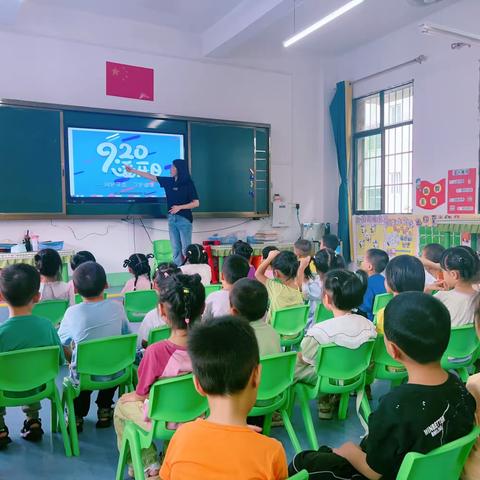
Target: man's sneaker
(32,430)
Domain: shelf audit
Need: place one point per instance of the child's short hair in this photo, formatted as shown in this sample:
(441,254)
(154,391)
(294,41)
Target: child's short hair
(224,353)
(405,274)
(331,241)
(463,259)
(327,259)
(138,263)
(184,299)
(419,325)
(378,258)
(243,249)
(81,257)
(433,252)
(234,268)
(19,283)
(250,298)
(286,263)
(266,250)
(195,254)
(345,289)
(90,279)
(165,270)
(48,262)
(305,247)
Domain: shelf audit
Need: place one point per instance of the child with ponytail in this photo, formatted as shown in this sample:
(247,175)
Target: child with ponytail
(182,300)
(139,267)
(343,292)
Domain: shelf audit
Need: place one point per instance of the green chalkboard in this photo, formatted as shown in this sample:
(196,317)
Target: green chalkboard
(30,161)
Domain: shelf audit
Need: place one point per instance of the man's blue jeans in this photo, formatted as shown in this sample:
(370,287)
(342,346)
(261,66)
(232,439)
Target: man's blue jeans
(180,230)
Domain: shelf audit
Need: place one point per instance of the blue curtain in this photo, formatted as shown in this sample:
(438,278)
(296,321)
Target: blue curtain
(340,115)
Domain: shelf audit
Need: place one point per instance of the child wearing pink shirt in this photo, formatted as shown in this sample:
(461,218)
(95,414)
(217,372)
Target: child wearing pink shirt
(182,300)
(139,267)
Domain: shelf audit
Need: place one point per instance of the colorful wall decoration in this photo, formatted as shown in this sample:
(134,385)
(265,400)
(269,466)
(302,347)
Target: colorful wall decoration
(462,191)
(428,195)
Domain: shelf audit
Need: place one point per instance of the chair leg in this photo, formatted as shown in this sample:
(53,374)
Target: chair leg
(136,454)
(72,421)
(290,430)
(61,423)
(122,458)
(463,372)
(53,417)
(343,406)
(365,406)
(267,424)
(307,417)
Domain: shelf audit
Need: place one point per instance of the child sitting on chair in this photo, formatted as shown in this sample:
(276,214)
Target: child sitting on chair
(19,288)
(265,251)
(217,304)
(432,409)
(139,267)
(196,261)
(80,257)
(245,250)
(182,299)
(91,319)
(343,292)
(403,274)
(49,265)
(226,369)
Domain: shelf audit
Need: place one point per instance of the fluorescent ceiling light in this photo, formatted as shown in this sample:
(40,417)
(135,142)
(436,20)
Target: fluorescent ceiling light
(322,22)
(451,32)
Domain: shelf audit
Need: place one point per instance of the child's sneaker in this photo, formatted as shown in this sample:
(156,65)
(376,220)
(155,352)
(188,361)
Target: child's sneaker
(32,430)
(4,438)
(105,416)
(151,472)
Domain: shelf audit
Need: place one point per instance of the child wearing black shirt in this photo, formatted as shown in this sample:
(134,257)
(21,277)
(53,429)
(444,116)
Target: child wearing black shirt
(432,409)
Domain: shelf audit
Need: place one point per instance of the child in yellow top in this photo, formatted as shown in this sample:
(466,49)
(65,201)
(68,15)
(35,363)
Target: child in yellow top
(403,274)
(283,290)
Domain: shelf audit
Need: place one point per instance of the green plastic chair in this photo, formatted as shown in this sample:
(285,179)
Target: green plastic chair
(384,366)
(445,462)
(159,334)
(172,399)
(105,357)
(139,303)
(274,392)
(212,288)
(54,310)
(28,376)
(79,298)
(322,313)
(290,322)
(302,475)
(162,252)
(381,301)
(462,350)
(340,371)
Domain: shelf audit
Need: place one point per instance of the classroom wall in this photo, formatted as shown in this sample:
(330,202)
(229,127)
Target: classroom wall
(67,66)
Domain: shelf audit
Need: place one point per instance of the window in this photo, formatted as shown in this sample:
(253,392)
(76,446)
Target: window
(383,149)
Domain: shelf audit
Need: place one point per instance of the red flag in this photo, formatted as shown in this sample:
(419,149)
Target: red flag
(129,81)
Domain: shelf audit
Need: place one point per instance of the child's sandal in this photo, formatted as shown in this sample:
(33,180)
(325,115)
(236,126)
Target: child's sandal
(105,416)
(32,430)
(4,438)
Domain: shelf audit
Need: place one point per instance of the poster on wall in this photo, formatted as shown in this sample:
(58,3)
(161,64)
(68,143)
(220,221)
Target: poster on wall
(428,195)
(370,233)
(400,235)
(462,191)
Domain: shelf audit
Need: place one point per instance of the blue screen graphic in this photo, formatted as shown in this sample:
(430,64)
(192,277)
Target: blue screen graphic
(97,160)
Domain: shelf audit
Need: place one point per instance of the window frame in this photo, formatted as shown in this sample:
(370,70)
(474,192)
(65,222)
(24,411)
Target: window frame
(380,130)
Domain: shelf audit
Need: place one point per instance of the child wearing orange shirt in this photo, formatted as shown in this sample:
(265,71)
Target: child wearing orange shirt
(225,362)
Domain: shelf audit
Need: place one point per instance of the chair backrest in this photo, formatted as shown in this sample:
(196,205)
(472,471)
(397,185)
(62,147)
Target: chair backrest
(445,462)
(381,356)
(162,251)
(212,288)
(322,313)
(54,310)
(159,334)
(105,357)
(302,475)
(463,343)
(26,370)
(79,298)
(138,303)
(174,399)
(381,301)
(277,374)
(291,320)
(344,363)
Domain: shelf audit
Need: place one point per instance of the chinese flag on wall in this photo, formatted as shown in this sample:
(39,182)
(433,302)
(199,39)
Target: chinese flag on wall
(129,81)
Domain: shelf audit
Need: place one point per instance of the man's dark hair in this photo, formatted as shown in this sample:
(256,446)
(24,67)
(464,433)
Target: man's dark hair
(234,268)
(405,274)
(304,246)
(330,241)
(89,279)
(224,353)
(419,325)
(19,283)
(378,258)
(250,298)
(81,257)
(433,252)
